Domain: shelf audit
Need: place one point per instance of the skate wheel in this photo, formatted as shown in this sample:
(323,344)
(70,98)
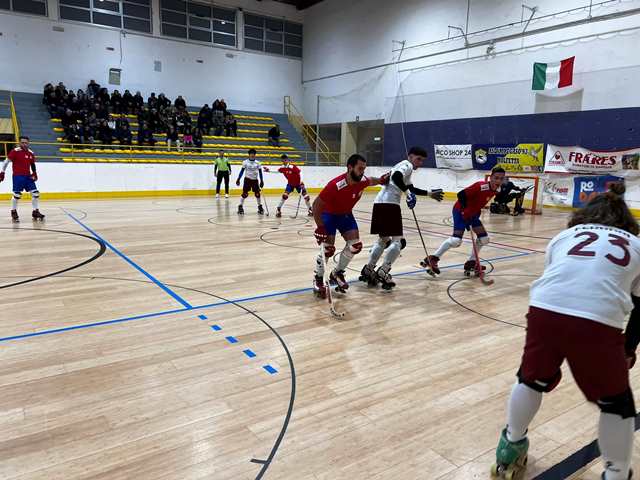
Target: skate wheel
(494,471)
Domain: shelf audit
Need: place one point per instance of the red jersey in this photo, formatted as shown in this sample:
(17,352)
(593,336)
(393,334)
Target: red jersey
(292,173)
(478,195)
(340,197)
(21,160)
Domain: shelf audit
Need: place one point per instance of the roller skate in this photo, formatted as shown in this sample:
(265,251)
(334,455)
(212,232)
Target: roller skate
(36,215)
(337,278)
(217,196)
(368,276)
(226,195)
(240,210)
(511,458)
(385,279)
(630,477)
(431,264)
(278,212)
(319,288)
(260,210)
(14,216)
(470,269)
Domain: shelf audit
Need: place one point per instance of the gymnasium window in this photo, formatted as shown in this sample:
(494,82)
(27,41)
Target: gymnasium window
(199,22)
(34,7)
(134,15)
(272,35)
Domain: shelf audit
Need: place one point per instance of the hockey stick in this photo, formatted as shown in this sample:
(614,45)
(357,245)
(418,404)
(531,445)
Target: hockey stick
(298,206)
(327,286)
(427,266)
(266,207)
(479,271)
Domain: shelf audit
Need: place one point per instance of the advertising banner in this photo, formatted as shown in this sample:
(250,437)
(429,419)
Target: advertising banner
(585,188)
(514,158)
(582,160)
(454,157)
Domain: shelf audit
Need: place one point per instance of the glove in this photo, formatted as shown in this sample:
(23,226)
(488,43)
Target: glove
(437,194)
(266,169)
(411,200)
(34,176)
(261,185)
(238,183)
(321,235)
(384,179)
(1,176)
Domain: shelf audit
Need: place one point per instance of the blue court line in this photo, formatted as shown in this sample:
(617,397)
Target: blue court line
(249,353)
(218,304)
(202,317)
(216,328)
(231,339)
(270,369)
(166,289)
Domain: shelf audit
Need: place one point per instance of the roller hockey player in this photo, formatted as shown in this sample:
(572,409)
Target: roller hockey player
(466,216)
(332,212)
(577,309)
(294,182)
(253,172)
(23,163)
(386,221)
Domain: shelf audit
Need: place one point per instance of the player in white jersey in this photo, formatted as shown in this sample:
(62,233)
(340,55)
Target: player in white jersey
(252,170)
(386,221)
(591,282)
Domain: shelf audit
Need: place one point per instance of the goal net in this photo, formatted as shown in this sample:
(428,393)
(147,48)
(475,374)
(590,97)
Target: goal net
(533,186)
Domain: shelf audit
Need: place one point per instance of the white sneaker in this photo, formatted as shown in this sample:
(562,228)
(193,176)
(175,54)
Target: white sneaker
(226,195)
(217,195)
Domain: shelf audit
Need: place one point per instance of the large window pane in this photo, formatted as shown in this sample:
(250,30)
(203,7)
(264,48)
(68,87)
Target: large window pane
(252,44)
(136,10)
(107,5)
(178,5)
(77,3)
(5,5)
(173,17)
(223,39)
(69,13)
(274,36)
(274,25)
(199,10)
(292,40)
(174,31)
(291,51)
(226,27)
(141,2)
(295,28)
(30,6)
(253,20)
(108,20)
(200,22)
(224,14)
(200,35)
(273,48)
(253,32)
(137,25)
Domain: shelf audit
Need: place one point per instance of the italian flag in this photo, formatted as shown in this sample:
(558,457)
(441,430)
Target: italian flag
(547,76)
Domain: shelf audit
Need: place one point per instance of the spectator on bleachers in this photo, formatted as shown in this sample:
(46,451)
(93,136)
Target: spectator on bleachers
(117,103)
(93,88)
(230,126)
(90,127)
(197,139)
(48,90)
(188,136)
(155,122)
(152,101)
(204,119)
(163,102)
(104,98)
(127,102)
(105,133)
(101,111)
(123,133)
(223,106)
(173,138)
(138,102)
(83,101)
(73,133)
(274,136)
(145,135)
(68,118)
(180,103)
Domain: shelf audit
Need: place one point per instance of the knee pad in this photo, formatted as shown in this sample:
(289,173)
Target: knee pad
(403,244)
(35,193)
(384,242)
(244,195)
(544,385)
(354,246)
(484,240)
(285,196)
(17,195)
(306,197)
(455,242)
(329,250)
(622,404)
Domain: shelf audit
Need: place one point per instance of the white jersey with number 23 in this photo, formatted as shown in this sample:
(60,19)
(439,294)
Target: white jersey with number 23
(591,271)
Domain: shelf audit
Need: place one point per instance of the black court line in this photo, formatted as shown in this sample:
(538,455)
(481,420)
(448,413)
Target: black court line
(287,419)
(101,250)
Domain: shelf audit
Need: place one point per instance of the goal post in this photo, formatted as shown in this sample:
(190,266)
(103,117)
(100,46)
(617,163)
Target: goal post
(533,185)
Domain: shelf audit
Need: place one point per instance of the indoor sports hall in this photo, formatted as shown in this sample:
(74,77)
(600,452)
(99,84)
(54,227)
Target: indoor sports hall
(175,172)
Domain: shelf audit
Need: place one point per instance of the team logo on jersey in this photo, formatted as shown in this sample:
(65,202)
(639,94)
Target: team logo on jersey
(341,184)
(481,156)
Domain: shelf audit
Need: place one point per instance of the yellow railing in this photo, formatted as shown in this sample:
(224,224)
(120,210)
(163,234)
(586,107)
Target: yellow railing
(14,119)
(309,133)
(96,152)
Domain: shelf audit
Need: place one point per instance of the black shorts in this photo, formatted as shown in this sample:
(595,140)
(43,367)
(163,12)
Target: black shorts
(250,185)
(386,220)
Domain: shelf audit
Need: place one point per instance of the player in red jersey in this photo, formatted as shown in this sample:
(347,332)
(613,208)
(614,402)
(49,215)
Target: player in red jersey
(294,182)
(332,211)
(23,163)
(577,312)
(466,215)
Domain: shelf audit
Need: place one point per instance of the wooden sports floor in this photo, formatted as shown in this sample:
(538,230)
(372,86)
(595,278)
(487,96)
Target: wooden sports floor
(170,339)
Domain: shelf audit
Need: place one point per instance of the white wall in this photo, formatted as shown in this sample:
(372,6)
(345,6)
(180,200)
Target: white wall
(341,36)
(99,177)
(33,55)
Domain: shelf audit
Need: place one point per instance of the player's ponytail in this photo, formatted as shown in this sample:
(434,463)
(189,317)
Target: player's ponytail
(607,209)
